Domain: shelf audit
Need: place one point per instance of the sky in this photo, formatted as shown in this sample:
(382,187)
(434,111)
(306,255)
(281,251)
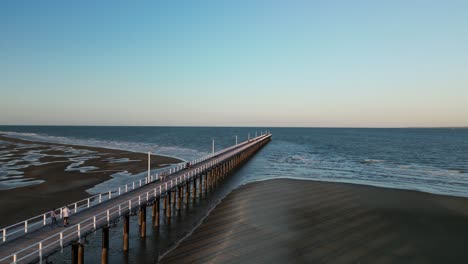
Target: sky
(400,63)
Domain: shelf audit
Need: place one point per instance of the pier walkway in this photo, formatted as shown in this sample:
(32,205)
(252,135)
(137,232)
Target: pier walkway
(33,240)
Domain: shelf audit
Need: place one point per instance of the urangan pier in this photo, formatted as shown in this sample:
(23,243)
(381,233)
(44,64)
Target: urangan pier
(32,240)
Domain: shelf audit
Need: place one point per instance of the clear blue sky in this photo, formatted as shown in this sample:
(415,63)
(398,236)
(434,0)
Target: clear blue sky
(234,63)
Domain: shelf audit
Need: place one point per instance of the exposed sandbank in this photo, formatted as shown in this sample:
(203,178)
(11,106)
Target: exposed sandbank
(293,221)
(63,187)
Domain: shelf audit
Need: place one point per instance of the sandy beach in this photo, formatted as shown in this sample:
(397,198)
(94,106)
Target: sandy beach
(293,221)
(67,171)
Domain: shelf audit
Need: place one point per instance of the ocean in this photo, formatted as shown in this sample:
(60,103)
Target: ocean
(427,160)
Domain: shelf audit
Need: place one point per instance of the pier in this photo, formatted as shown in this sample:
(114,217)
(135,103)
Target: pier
(32,240)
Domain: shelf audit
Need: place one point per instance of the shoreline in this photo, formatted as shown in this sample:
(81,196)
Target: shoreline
(313,221)
(67,171)
(7,134)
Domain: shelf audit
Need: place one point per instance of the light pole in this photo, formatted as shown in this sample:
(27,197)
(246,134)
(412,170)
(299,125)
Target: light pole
(149,166)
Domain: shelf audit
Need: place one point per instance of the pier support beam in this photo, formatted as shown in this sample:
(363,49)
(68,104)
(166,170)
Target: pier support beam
(200,185)
(168,207)
(77,253)
(194,189)
(180,189)
(187,192)
(206,182)
(105,245)
(126,230)
(155,214)
(143,221)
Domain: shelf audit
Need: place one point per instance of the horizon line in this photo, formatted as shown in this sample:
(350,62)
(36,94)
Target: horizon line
(224,126)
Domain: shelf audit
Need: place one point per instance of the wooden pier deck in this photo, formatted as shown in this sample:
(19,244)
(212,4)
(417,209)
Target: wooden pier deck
(195,180)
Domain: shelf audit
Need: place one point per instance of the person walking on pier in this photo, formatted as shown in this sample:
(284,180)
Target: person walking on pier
(66,214)
(53,218)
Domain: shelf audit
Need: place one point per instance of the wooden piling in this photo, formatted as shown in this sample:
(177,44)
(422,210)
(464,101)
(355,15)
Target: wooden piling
(143,221)
(187,192)
(74,253)
(126,230)
(77,253)
(156,212)
(105,245)
(80,253)
(206,181)
(168,207)
(200,185)
(180,190)
(194,189)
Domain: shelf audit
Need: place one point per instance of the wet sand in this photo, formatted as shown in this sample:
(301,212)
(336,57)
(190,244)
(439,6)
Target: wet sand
(292,221)
(63,187)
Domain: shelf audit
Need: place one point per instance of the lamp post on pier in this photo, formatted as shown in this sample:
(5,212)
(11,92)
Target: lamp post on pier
(149,167)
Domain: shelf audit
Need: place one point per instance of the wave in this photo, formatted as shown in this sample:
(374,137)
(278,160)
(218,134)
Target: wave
(370,161)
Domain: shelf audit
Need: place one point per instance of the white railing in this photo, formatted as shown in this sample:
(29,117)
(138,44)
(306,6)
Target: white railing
(91,224)
(39,221)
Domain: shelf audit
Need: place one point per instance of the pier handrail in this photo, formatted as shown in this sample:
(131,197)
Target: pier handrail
(90,224)
(36,222)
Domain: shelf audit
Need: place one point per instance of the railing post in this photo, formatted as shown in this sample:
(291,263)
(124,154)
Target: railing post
(94,222)
(44,219)
(119,191)
(108,217)
(40,252)
(88,202)
(76,208)
(110,195)
(4,234)
(126,188)
(61,240)
(14,258)
(120,211)
(100,198)
(79,231)
(26,226)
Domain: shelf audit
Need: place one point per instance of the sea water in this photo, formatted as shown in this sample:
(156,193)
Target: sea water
(428,160)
